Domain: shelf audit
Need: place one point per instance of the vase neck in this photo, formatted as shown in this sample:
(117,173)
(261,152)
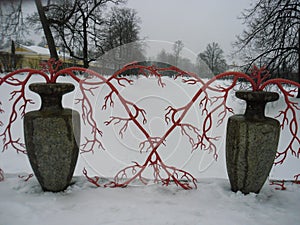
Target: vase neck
(255,110)
(256,102)
(51,102)
(51,94)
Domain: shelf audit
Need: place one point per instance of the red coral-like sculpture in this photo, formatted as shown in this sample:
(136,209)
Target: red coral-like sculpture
(198,136)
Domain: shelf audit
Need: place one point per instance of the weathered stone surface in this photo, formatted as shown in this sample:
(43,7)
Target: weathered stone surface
(251,145)
(52,137)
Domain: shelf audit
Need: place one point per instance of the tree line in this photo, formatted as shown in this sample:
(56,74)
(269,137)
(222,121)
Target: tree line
(272,38)
(85,29)
(207,63)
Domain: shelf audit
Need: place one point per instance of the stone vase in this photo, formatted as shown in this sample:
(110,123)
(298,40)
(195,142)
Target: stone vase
(52,137)
(251,143)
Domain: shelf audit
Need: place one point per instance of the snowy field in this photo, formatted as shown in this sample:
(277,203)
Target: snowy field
(211,203)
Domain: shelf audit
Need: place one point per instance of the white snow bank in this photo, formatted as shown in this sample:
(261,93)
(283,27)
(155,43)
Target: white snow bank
(212,203)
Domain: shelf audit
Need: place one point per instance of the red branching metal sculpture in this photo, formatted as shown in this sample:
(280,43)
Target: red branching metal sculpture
(93,180)
(197,135)
(26,177)
(259,80)
(280,185)
(297,181)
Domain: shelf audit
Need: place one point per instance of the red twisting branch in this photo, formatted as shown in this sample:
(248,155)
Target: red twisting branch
(161,172)
(149,142)
(171,174)
(198,137)
(210,106)
(122,81)
(87,118)
(280,183)
(217,105)
(50,72)
(133,116)
(121,178)
(20,101)
(288,116)
(205,103)
(292,124)
(193,134)
(151,70)
(259,76)
(259,79)
(195,137)
(154,142)
(153,158)
(51,67)
(93,180)
(108,99)
(19,105)
(26,177)
(297,181)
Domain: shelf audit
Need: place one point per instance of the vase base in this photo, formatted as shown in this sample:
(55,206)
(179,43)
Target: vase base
(251,146)
(52,146)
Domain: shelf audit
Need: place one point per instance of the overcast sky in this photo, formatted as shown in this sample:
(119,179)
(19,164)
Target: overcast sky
(195,22)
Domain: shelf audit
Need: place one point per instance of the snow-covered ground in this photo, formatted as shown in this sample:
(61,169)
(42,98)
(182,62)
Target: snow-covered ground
(211,203)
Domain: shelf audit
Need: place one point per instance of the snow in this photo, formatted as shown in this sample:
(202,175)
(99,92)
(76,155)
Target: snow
(212,203)
(41,51)
(23,202)
(38,49)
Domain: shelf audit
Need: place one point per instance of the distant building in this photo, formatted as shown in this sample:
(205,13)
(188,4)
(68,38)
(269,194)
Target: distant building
(234,68)
(28,57)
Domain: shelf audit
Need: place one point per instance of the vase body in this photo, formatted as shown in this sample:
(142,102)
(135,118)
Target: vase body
(52,136)
(251,143)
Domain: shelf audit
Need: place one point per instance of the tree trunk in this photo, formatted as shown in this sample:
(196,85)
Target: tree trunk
(298,96)
(47,31)
(13,55)
(85,45)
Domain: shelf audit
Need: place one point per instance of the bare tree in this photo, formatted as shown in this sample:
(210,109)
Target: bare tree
(122,43)
(79,24)
(188,64)
(47,31)
(14,26)
(213,56)
(272,36)
(122,27)
(12,22)
(76,23)
(177,48)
